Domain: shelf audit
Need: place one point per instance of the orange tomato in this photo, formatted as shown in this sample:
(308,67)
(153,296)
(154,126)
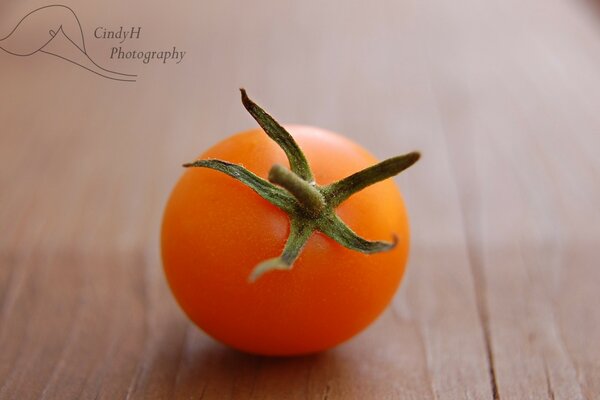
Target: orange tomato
(216,230)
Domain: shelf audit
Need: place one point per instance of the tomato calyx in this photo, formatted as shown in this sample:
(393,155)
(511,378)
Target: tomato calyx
(309,206)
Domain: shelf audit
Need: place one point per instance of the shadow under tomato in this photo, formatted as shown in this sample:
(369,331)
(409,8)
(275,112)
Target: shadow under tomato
(375,364)
(211,370)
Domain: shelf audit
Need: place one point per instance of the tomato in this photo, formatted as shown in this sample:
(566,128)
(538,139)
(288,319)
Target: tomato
(216,230)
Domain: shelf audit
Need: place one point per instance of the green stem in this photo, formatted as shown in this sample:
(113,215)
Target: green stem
(309,207)
(307,195)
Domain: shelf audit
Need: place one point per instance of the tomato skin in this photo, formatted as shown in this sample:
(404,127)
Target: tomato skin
(216,230)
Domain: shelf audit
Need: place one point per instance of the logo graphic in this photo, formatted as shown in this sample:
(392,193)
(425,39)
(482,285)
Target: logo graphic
(55,30)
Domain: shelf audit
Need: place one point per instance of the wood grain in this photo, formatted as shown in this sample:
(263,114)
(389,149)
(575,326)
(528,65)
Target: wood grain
(500,298)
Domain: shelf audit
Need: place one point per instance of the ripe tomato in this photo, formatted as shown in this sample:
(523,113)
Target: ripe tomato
(216,230)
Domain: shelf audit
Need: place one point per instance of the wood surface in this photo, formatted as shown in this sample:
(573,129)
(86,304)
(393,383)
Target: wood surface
(500,299)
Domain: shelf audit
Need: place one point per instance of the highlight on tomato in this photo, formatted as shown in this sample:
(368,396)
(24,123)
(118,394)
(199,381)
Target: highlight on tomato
(285,240)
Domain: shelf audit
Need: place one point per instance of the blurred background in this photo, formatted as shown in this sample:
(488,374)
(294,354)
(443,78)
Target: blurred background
(501,97)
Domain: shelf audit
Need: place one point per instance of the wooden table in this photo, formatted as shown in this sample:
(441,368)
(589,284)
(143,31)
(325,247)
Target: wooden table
(501,296)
